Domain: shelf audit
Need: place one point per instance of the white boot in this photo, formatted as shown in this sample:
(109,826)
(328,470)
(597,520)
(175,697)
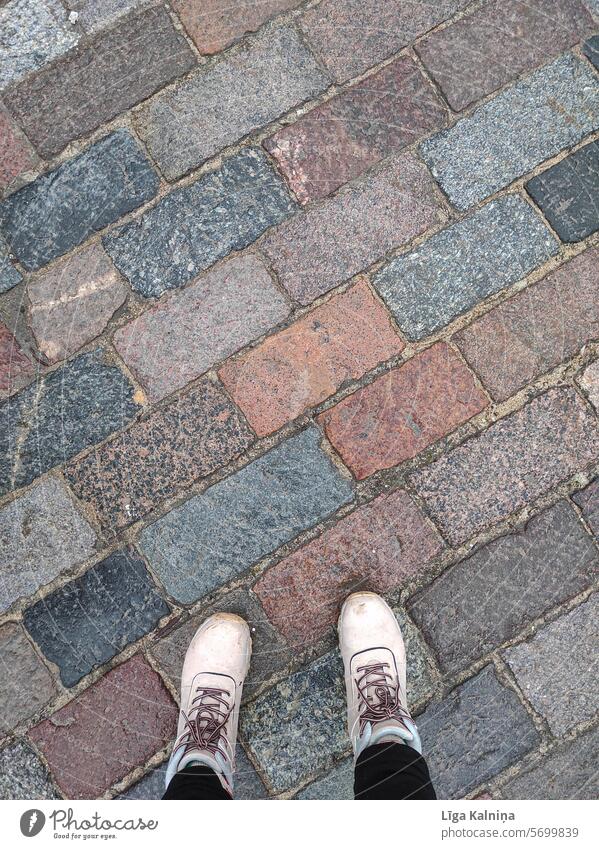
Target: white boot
(215,666)
(374,656)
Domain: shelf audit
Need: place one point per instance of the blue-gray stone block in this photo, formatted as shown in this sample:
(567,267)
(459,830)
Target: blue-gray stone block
(9,276)
(549,111)
(464,264)
(479,729)
(568,194)
(62,413)
(336,784)
(591,48)
(299,726)
(217,535)
(91,619)
(193,227)
(62,208)
(23,775)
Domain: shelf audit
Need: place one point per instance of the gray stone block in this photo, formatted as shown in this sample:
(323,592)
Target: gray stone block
(9,276)
(22,774)
(492,595)
(478,730)
(219,534)
(556,667)
(531,121)
(64,412)
(459,267)
(193,227)
(62,208)
(26,685)
(337,784)
(91,619)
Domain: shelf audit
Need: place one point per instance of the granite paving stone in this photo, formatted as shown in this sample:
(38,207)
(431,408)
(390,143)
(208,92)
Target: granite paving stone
(151,786)
(568,194)
(72,302)
(509,465)
(593,6)
(219,534)
(160,456)
(588,501)
(23,775)
(348,134)
(537,329)
(26,685)
(33,33)
(16,154)
(63,207)
(403,411)
(556,668)
(111,728)
(270,654)
(303,365)
(567,772)
(93,15)
(591,49)
(537,117)
(9,275)
(16,369)
(215,24)
(100,79)
(488,598)
(88,621)
(457,268)
(480,52)
(420,683)
(589,380)
(479,729)
(266,77)
(299,726)
(193,227)
(63,412)
(377,547)
(318,249)
(183,336)
(337,784)
(351,36)
(41,534)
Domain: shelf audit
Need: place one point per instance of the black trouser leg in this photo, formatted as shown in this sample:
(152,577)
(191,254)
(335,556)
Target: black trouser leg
(392,771)
(196,782)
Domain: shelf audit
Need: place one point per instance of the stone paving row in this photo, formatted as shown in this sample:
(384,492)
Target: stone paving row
(298,299)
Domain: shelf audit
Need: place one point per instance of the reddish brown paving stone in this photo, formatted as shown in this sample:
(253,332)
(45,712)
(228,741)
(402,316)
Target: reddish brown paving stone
(214,24)
(107,731)
(377,547)
(16,154)
(479,53)
(536,329)
(339,140)
(71,303)
(160,456)
(15,367)
(403,411)
(303,365)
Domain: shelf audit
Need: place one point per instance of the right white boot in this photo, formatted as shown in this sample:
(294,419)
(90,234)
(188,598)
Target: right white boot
(216,664)
(374,657)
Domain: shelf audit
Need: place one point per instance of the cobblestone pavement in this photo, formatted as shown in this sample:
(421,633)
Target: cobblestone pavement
(299,298)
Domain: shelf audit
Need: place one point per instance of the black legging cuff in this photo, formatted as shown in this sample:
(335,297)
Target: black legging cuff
(392,771)
(196,782)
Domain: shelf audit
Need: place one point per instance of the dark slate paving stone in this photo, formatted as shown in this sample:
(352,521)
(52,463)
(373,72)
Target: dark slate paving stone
(22,774)
(91,619)
(568,772)
(62,413)
(193,227)
(568,194)
(64,207)
(459,267)
(488,598)
(336,784)
(270,654)
(299,726)
(591,50)
(151,786)
(474,733)
(217,535)
(9,276)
